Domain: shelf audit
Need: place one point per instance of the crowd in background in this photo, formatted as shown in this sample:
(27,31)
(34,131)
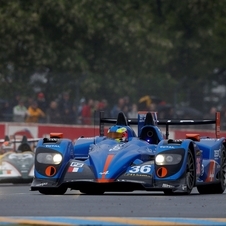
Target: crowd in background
(63,110)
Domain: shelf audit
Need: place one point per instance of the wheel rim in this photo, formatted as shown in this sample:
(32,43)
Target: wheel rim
(190,173)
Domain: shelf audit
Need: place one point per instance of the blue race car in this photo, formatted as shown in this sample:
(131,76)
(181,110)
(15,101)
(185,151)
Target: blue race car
(121,161)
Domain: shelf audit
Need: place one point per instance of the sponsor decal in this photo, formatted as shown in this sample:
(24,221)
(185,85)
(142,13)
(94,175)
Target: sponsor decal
(73,169)
(116,147)
(52,146)
(4,171)
(216,154)
(167,146)
(198,165)
(42,184)
(167,186)
(104,173)
(202,170)
(138,175)
(77,164)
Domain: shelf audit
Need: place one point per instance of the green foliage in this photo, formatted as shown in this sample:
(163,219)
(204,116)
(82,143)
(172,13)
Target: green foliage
(108,49)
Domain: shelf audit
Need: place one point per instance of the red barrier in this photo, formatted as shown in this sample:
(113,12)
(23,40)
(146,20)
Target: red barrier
(73,132)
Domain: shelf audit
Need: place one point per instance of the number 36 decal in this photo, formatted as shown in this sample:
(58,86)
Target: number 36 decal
(140,169)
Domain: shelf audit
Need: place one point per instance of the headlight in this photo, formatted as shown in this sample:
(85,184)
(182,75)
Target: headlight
(168,159)
(57,158)
(159,159)
(49,158)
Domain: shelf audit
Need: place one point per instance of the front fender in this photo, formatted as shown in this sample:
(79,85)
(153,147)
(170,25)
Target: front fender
(46,149)
(176,170)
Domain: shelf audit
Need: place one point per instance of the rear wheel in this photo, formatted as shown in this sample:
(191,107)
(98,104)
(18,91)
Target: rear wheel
(53,191)
(219,187)
(190,176)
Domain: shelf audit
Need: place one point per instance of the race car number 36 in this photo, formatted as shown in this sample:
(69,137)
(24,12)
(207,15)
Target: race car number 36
(140,169)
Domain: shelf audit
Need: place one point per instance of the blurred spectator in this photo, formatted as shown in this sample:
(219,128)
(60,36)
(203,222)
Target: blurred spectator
(42,103)
(126,107)
(82,102)
(34,114)
(19,111)
(103,106)
(125,110)
(16,99)
(53,113)
(166,112)
(87,113)
(29,102)
(144,103)
(133,113)
(66,109)
(7,112)
(117,108)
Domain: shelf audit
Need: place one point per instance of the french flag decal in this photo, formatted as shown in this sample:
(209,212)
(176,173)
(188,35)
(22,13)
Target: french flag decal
(72,169)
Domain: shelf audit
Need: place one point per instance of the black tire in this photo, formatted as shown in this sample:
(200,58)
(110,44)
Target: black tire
(221,186)
(92,192)
(169,192)
(190,176)
(190,172)
(53,191)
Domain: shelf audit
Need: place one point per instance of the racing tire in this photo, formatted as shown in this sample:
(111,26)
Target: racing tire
(190,176)
(221,186)
(169,192)
(92,192)
(53,191)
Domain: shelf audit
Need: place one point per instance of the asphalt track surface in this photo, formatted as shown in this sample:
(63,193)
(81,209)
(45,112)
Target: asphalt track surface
(20,206)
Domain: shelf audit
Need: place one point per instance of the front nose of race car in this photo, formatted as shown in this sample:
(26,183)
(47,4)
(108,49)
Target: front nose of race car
(50,160)
(108,166)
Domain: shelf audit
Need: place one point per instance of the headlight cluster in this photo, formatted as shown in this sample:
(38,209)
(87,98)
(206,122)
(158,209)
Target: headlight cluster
(49,158)
(168,159)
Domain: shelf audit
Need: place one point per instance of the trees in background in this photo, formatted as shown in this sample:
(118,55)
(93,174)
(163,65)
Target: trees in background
(108,49)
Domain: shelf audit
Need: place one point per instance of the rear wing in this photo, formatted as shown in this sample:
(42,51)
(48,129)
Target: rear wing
(141,118)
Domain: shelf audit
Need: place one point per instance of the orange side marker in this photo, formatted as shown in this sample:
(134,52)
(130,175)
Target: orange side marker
(162,172)
(50,171)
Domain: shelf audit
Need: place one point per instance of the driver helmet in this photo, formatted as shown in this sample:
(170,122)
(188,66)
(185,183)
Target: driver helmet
(118,133)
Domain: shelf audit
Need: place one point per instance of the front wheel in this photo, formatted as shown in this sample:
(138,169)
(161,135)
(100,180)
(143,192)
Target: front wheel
(190,173)
(190,176)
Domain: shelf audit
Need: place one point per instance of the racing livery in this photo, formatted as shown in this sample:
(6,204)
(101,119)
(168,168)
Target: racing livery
(124,161)
(16,164)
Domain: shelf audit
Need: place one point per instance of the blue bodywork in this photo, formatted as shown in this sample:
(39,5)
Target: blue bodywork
(100,163)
